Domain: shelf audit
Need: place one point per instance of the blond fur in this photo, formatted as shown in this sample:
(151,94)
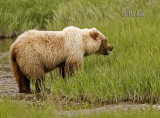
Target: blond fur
(34,53)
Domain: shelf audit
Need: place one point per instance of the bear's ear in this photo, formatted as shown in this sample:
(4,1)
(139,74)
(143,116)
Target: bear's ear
(93,33)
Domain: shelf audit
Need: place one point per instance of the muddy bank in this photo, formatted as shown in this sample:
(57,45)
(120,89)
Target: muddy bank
(8,84)
(123,106)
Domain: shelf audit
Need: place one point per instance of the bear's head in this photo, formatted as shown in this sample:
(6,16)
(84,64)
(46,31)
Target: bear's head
(96,42)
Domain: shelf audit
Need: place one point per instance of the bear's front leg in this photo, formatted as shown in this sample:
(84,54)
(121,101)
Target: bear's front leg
(73,62)
(62,70)
(39,83)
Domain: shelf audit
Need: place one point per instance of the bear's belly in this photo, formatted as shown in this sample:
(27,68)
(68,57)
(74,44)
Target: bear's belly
(50,65)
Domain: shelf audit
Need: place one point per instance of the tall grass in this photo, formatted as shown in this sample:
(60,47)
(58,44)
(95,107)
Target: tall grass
(130,72)
(22,15)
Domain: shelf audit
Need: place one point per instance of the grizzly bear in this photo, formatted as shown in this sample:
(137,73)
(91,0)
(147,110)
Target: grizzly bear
(34,53)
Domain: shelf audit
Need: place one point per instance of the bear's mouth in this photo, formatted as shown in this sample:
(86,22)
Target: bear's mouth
(106,52)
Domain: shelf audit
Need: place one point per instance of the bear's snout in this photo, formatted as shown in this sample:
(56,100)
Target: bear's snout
(110,48)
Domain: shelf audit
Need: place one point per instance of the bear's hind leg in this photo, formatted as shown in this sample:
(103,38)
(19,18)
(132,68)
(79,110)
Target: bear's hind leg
(23,84)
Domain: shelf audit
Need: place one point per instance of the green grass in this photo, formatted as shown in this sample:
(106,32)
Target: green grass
(128,114)
(15,109)
(131,71)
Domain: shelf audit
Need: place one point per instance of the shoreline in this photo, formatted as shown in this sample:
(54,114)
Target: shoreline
(4,35)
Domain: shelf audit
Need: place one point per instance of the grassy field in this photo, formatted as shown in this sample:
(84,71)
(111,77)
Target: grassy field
(14,109)
(132,70)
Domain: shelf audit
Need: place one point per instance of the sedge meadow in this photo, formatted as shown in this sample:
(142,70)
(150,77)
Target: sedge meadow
(131,72)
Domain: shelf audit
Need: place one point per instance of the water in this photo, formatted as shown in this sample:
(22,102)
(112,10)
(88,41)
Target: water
(5,44)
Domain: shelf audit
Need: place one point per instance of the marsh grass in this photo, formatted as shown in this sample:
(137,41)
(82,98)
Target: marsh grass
(15,109)
(131,71)
(19,109)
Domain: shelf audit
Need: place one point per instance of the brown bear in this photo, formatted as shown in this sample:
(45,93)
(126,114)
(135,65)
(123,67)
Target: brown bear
(34,53)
